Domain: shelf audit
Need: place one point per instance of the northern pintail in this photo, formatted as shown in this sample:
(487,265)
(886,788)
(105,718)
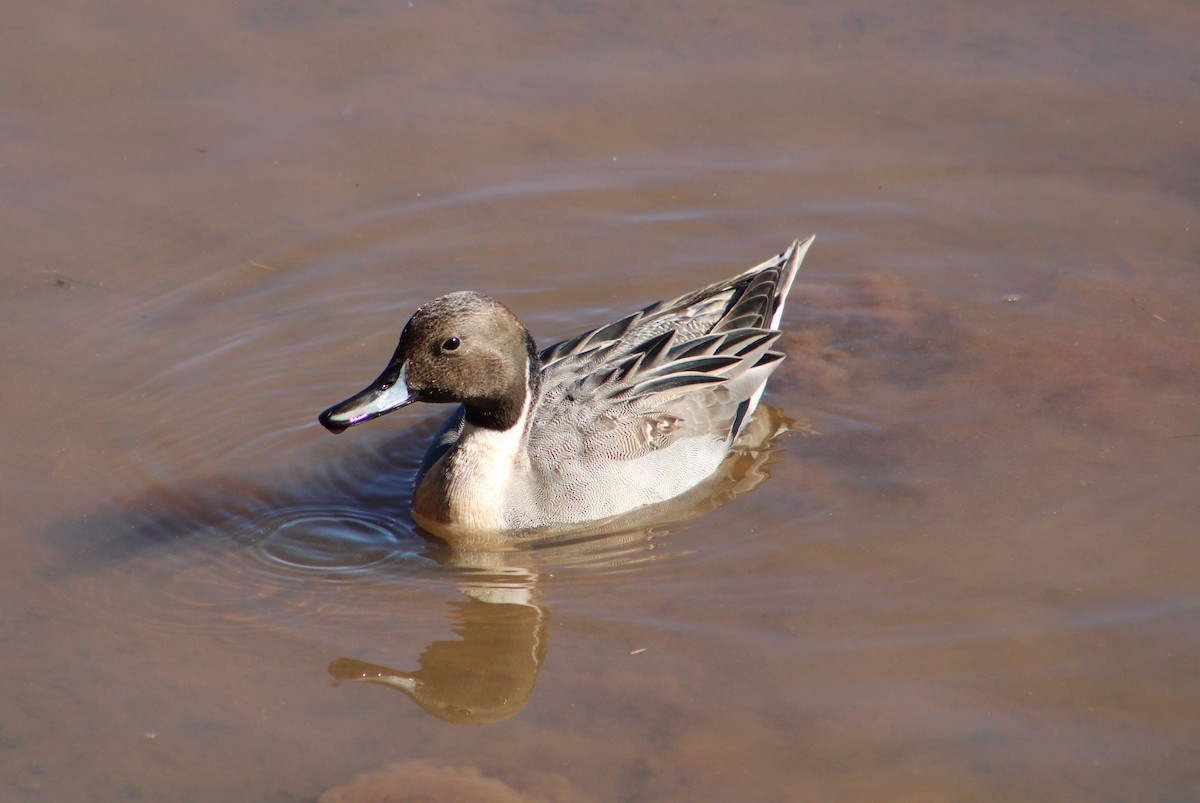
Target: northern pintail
(625,415)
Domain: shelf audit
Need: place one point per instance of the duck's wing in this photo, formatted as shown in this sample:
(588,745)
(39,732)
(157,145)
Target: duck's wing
(752,299)
(659,394)
(692,368)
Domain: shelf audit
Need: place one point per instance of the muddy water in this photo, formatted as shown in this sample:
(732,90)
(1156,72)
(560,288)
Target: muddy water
(970,573)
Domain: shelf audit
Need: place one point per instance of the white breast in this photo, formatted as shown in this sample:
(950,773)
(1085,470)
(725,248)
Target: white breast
(465,494)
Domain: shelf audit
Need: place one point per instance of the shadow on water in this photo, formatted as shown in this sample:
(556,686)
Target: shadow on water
(346,517)
(279,557)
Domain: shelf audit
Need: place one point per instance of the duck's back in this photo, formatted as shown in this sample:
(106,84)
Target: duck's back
(643,409)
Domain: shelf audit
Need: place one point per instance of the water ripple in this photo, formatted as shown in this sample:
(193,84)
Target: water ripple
(328,543)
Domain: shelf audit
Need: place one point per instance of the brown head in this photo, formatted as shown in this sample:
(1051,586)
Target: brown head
(463,347)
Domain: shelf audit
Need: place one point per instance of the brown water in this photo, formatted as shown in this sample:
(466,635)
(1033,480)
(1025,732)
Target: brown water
(979,579)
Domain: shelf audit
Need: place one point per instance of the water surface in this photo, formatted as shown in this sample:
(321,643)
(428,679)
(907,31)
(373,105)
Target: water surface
(970,572)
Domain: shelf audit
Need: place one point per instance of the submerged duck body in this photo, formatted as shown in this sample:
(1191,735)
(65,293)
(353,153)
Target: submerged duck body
(625,415)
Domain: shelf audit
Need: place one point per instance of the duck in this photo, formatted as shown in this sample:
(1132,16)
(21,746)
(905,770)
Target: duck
(620,417)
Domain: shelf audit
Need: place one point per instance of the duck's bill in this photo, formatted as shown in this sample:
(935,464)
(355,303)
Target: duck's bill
(388,392)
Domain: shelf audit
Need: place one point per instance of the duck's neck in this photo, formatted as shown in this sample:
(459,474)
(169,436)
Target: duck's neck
(464,496)
(502,413)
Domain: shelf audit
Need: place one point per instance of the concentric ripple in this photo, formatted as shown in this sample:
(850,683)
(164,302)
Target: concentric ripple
(326,543)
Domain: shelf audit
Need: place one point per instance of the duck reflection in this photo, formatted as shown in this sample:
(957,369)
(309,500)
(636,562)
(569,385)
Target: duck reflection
(488,673)
(485,675)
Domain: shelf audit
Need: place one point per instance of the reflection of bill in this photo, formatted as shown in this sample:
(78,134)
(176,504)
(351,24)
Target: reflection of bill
(487,674)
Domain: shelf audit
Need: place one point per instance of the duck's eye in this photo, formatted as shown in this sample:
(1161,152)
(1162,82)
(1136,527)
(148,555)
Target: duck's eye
(451,344)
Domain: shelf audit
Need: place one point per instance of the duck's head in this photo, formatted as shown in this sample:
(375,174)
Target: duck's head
(463,347)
